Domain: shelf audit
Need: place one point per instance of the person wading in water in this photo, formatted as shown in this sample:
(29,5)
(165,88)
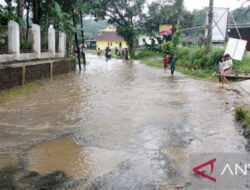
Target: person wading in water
(166,61)
(172,63)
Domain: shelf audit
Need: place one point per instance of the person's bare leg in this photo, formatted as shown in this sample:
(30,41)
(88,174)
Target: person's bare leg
(225,79)
(222,80)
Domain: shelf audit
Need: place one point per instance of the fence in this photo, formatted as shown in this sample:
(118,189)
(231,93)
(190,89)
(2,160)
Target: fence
(16,45)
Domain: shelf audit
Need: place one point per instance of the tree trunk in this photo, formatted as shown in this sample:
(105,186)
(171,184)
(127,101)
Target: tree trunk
(20,5)
(179,7)
(27,19)
(37,11)
(83,39)
(210,27)
(76,41)
(69,50)
(131,49)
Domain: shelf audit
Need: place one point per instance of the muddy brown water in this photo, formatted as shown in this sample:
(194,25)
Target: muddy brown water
(117,125)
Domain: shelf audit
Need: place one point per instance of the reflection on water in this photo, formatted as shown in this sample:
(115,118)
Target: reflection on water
(61,154)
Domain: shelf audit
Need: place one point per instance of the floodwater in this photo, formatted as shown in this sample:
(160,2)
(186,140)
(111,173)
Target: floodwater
(116,125)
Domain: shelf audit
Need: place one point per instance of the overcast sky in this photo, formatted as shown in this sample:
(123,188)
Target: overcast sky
(199,4)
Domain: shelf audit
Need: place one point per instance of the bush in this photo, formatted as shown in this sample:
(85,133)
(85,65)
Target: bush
(183,53)
(214,57)
(143,54)
(242,66)
(240,114)
(168,48)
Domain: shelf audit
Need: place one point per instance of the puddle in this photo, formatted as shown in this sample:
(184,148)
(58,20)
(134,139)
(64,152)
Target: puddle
(62,154)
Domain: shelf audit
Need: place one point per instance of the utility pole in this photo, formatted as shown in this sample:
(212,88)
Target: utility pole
(210,27)
(179,4)
(76,41)
(83,39)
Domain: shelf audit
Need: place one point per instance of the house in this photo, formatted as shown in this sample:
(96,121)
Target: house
(109,37)
(243,29)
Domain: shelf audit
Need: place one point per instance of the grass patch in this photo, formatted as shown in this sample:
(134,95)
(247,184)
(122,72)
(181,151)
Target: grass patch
(21,90)
(240,114)
(203,74)
(151,62)
(158,62)
(243,116)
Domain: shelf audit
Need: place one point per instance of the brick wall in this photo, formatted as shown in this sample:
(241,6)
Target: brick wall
(10,77)
(37,72)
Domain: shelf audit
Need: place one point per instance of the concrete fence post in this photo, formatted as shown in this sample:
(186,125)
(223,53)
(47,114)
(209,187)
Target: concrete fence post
(52,41)
(62,44)
(36,40)
(14,38)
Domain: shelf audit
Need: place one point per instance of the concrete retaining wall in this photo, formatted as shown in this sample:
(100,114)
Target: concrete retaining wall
(22,73)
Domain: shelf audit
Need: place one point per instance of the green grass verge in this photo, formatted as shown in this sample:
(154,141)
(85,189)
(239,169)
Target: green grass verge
(21,90)
(243,116)
(203,74)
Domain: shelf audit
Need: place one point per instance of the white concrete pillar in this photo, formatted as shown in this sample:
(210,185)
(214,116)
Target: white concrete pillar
(52,41)
(36,39)
(62,44)
(14,38)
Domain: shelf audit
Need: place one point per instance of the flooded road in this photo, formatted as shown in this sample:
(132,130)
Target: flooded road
(115,125)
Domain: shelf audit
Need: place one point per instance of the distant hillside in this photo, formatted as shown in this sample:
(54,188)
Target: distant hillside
(92,28)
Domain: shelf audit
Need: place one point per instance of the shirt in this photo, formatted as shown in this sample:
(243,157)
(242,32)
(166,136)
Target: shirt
(173,62)
(166,61)
(228,64)
(221,65)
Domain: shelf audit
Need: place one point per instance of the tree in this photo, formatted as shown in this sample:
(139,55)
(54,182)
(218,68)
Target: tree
(241,15)
(161,14)
(20,8)
(124,14)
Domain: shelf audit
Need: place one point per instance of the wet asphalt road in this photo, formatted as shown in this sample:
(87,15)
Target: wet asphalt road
(127,125)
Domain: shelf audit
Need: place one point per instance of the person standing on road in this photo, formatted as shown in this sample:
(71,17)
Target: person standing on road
(106,53)
(123,52)
(172,63)
(126,54)
(166,61)
(109,53)
(116,51)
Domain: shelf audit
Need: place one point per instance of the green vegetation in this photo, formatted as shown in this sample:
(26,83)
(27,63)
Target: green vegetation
(20,90)
(240,114)
(247,123)
(123,14)
(193,62)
